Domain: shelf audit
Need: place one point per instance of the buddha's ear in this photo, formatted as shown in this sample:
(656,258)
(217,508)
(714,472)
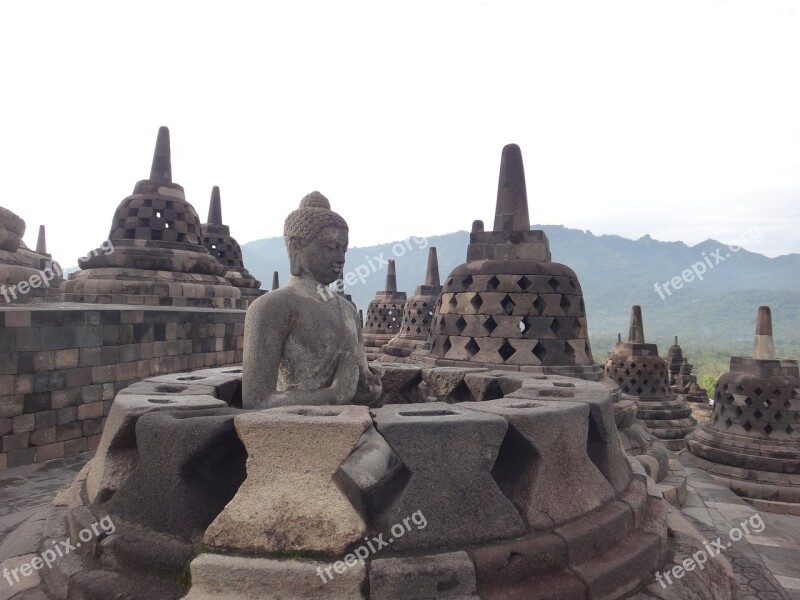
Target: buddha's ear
(293,247)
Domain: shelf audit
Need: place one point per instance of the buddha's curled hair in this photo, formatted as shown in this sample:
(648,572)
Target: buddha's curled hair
(310,219)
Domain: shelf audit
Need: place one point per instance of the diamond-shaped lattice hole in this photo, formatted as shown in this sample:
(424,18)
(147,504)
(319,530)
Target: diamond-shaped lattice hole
(447,345)
(569,350)
(461,324)
(776,392)
(768,429)
(565,303)
(476,301)
(453,301)
(524,325)
(506,351)
(508,304)
(739,388)
(748,401)
(555,327)
(639,390)
(728,422)
(738,412)
(490,325)
(539,352)
(767,402)
(758,391)
(472,347)
(778,416)
(539,305)
(758,414)
(747,426)
(577,327)
(466,282)
(787,404)
(492,284)
(553,283)
(789,430)
(442,325)
(524,283)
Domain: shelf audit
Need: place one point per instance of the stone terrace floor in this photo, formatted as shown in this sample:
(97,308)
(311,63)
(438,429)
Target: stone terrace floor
(761,561)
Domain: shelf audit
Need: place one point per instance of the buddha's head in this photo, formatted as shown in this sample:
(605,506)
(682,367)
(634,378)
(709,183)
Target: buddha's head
(316,238)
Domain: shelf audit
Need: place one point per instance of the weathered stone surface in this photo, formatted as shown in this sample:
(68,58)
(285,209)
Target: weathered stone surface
(289,501)
(236,578)
(190,465)
(448,576)
(603,444)
(448,383)
(400,383)
(449,452)
(543,465)
(117,454)
(514,564)
(20,580)
(25,538)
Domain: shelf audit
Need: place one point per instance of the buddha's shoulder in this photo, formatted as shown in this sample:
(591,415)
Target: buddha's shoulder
(276,301)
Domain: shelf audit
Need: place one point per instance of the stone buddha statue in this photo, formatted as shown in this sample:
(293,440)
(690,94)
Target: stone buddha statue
(302,344)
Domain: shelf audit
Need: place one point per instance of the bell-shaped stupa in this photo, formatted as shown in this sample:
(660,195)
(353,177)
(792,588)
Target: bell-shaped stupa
(418,315)
(384,315)
(154,254)
(509,304)
(642,374)
(218,241)
(752,440)
(26,276)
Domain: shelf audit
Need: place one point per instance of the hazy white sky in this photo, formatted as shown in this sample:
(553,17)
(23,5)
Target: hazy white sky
(677,119)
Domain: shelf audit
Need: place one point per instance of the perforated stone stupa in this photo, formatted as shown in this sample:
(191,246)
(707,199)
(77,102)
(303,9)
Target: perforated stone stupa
(509,304)
(26,277)
(384,315)
(418,315)
(158,257)
(752,440)
(642,374)
(218,241)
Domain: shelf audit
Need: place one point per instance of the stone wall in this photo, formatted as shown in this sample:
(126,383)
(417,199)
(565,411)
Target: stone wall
(61,366)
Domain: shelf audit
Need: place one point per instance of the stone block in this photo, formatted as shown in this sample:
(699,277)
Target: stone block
(16,441)
(49,452)
(543,465)
(42,437)
(449,576)
(179,492)
(448,383)
(90,411)
(448,453)
(23,423)
(117,454)
(238,578)
(289,501)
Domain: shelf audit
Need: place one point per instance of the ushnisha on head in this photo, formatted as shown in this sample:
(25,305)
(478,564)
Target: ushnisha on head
(316,239)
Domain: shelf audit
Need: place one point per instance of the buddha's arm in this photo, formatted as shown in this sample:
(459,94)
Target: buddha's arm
(266,326)
(369,389)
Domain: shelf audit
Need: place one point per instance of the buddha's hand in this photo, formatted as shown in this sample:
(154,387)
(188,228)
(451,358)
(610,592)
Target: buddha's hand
(345,381)
(370,388)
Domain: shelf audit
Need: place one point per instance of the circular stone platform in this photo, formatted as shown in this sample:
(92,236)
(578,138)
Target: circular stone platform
(498,485)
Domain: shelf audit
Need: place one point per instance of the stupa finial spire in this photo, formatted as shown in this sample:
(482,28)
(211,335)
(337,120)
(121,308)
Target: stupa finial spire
(275,281)
(763,346)
(511,213)
(162,163)
(215,207)
(432,272)
(41,241)
(636,330)
(391,277)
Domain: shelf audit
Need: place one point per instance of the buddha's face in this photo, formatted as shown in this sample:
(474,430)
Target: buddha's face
(323,258)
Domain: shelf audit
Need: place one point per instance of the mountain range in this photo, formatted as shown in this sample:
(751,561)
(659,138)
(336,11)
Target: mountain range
(713,305)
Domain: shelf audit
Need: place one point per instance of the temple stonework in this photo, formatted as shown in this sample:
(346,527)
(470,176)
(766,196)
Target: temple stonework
(418,315)
(218,241)
(682,382)
(26,276)
(384,315)
(752,440)
(158,255)
(643,375)
(509,304)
